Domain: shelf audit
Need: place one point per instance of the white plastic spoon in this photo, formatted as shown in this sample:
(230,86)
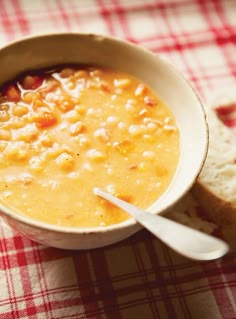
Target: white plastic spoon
(184,240)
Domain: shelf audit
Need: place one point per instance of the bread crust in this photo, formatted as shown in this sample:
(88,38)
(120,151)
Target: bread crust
(217,209)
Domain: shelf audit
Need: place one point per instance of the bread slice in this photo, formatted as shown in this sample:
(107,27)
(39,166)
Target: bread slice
(215,188)
(187,211)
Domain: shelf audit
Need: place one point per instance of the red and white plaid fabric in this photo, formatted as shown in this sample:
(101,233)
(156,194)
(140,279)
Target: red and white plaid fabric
(138,277)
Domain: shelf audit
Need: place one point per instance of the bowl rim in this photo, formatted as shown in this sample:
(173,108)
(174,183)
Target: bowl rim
(24,219)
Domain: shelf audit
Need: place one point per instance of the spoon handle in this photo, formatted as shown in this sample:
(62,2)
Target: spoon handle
(186,241)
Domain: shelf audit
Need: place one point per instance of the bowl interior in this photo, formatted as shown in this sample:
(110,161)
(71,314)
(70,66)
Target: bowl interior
(169,85)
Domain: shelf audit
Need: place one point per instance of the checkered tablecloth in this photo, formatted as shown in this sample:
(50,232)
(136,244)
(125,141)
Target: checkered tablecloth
(138,278)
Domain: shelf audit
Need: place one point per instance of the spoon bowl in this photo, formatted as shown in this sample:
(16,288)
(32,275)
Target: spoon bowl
(186,241)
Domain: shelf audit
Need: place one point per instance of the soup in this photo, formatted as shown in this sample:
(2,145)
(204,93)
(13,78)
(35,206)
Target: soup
(68,129)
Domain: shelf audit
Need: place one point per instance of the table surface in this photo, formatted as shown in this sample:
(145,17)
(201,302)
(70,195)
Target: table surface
(138,277)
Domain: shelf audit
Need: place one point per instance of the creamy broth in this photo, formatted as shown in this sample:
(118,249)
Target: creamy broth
(65,131)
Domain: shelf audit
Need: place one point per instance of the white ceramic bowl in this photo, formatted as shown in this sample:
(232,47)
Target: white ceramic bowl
(45,50)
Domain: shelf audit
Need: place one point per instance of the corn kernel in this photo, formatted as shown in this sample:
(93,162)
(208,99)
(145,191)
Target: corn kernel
(143,112)
(3,107)
(80,109)
(20,110)
(16,152)
(72,116)
(95,73)
(29,97)
(112,120)
(77,128)
(102,134)
(36,164)
(105,86)
(3,145)
(140,90)
(135,130)
(88,167)
(124,146)
(66,72)
(65,161)
(46,141)
(161,170)
(17,123)
(95,155)
(5,135)
(27,134)
(149,101)
(170,128)
(151,126)
(122,83)
(81,74)
(149,154)
(148,137)
(4,115)
(142,167)
(52,152)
